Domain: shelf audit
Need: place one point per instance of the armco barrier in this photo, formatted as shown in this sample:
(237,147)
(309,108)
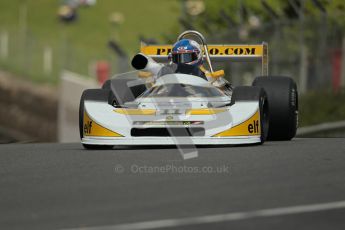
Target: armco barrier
(329,129)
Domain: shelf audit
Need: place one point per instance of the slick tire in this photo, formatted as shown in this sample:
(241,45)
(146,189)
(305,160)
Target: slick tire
(123,90)
(282,98)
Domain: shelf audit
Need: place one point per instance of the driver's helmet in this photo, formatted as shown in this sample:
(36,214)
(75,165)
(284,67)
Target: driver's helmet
(188,52)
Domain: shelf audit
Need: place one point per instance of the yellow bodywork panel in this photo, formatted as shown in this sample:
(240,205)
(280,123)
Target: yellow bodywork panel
(232,52)
(204,111)
(144,74)
(222,50)
(216,74)
(250,127)
(136,111)
(91,128)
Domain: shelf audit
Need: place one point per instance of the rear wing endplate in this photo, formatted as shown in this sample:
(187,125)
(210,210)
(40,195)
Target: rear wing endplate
(235,53)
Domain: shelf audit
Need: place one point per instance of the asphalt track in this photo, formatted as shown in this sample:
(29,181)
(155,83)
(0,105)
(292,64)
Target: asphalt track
(62,186)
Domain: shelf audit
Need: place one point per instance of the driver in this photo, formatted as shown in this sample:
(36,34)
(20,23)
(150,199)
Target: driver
(187,55)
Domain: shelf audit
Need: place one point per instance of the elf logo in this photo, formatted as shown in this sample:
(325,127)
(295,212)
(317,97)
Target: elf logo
(254,127)
(87,127)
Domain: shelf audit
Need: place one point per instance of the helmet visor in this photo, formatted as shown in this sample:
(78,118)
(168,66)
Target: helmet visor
(184,57)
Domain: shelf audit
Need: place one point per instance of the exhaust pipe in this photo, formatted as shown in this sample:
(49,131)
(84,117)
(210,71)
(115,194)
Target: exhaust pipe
(145,63)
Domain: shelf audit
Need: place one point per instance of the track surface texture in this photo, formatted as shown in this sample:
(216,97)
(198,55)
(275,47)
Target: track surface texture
(63,186)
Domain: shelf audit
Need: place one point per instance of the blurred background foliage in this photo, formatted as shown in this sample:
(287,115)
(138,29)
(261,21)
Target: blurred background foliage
(33,25)
(306,39)
(325,106)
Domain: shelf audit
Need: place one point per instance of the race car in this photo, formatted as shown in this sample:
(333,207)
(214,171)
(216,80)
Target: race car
(146,107)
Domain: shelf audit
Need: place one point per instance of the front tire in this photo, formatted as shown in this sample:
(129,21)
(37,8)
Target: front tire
(123,90)
(97,147)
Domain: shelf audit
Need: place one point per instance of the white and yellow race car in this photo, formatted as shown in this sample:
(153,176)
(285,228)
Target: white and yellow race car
(154,107)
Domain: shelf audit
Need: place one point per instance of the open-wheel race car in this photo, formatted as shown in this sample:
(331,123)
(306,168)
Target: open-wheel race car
(155,105)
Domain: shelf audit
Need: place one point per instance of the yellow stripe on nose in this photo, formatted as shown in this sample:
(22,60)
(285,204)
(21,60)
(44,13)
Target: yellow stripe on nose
(204,111)
(136,111)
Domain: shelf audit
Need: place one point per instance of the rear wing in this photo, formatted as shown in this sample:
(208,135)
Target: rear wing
(237,53)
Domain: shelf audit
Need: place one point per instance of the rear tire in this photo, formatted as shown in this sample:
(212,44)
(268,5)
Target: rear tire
(282,97)
(95,95)
(253,93)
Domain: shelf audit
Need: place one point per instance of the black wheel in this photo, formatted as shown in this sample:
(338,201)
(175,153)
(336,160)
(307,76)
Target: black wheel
(97,147)
(282,97)
(253,93)
(123,90)
(95,95)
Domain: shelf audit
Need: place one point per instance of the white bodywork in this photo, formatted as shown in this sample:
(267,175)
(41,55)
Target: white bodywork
(167,111)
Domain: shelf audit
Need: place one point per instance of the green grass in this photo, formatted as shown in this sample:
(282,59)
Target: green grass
(319,107)
(76,45)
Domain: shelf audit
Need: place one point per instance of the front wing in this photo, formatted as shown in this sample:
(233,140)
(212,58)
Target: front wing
(105,125)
